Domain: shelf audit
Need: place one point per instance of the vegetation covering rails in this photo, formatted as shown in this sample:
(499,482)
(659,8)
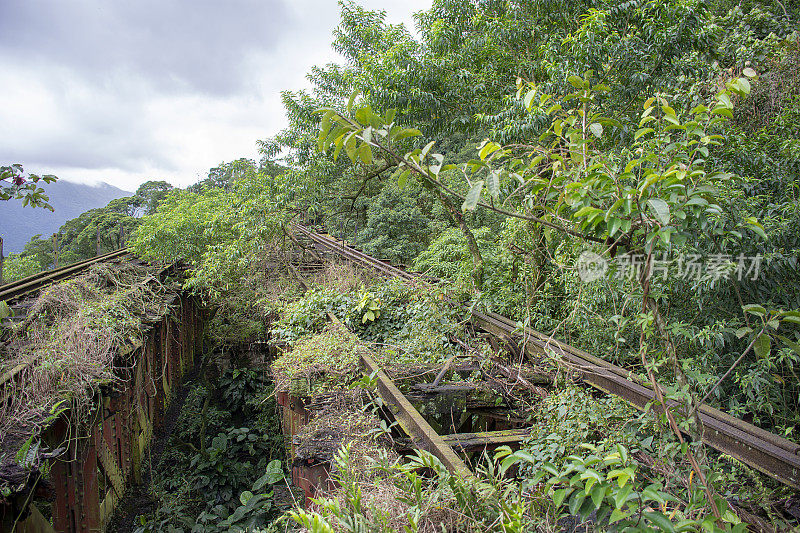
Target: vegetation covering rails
(411,331)
(68,346)
(317,362)
(345,417)
(657,130)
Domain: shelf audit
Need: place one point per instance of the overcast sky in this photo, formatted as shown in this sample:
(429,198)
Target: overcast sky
(124,91)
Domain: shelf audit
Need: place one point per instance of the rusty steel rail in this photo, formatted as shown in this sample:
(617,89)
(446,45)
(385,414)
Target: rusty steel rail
(25,286)
(16,289)
(768,453)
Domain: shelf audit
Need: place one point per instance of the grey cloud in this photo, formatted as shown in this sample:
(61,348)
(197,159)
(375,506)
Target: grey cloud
(91,152)
(197,45)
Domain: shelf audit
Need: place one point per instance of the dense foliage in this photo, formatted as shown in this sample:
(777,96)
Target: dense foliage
(222,462)
(622,174)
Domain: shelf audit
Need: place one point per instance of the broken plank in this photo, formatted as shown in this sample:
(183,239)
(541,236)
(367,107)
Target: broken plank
(471,442)
(413,423)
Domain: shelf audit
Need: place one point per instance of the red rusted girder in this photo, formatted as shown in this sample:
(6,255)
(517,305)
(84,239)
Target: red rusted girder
(123,427)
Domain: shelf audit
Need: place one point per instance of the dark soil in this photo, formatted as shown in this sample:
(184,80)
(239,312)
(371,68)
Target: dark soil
(137,499)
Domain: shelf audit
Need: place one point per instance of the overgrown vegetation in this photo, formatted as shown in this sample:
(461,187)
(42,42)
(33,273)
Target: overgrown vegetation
(223,464)
(66,348)
(622,175)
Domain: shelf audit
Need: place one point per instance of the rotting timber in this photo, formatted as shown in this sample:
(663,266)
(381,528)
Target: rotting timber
(89,471)
(771,454)
(410,426)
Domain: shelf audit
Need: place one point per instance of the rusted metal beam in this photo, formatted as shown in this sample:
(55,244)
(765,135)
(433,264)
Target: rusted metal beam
(772,455)
(18,288)
(414,424)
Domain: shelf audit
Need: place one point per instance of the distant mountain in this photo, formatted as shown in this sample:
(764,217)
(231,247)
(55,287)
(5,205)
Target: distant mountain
(69,199)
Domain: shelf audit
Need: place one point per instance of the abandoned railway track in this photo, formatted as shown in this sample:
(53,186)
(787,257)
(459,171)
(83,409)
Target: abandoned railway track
(10,292)
(771,454)
(90,471)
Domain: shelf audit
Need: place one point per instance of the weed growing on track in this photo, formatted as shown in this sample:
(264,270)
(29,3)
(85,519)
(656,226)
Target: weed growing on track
(67,346)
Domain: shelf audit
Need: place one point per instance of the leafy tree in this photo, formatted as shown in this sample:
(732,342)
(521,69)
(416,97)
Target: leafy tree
(41,251)
(149,195)
(396,228)
(17,266)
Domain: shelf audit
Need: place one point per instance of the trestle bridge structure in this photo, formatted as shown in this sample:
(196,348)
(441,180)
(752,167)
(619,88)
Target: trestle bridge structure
(90,476)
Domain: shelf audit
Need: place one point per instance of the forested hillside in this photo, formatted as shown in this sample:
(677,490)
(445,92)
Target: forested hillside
(512,137)
(622,175)
(68,200)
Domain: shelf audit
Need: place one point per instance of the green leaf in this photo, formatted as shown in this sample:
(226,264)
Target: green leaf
(642,131)
(586,211)
(558,497)
(744,85)
(795,347)
(660,520)
(614,225)
(660,209)
(245,497)
(364,115)
(324,126)
(350,146)
(621,496)
(529,99)
(339,142)
(617,515)
(758,230)
(577,82)
(366,135)
(408,132)
(754,309)
(597,495)
(576,501)
(722,110)
(493,184)
(623,453)
(275,471)
(403,179)
(365,153)
(672,120)
(762,346)
(5,310)
(474,194)
(597,129)
(651,493)
(488,149)
(697,200)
